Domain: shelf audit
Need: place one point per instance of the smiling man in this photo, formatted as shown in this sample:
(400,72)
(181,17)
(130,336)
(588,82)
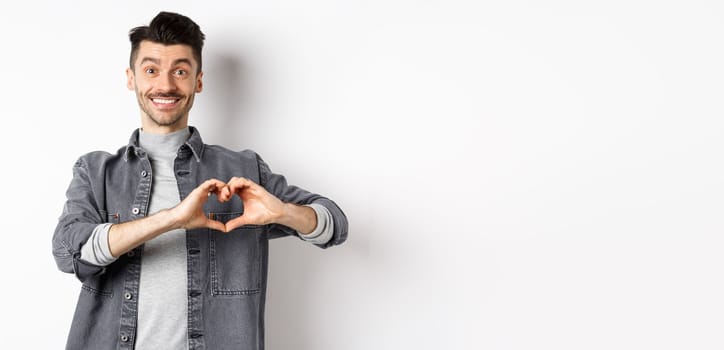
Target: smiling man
(164,99)
(169,235)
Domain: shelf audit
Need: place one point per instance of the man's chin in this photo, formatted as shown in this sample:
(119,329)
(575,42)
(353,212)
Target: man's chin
(166,120)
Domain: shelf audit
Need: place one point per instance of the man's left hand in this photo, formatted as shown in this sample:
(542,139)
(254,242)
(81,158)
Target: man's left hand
(260,206)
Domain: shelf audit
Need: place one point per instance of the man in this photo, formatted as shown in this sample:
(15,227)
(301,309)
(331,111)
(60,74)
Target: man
(169,235)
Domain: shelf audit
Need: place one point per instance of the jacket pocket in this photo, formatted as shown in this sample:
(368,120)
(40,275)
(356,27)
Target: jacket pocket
(235,264)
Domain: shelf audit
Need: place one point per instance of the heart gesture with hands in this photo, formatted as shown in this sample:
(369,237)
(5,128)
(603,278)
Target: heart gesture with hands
(260,207)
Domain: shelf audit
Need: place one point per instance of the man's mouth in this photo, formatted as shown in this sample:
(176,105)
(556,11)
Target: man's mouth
(165,102)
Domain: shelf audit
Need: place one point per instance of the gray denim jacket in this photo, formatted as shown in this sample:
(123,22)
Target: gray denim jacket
(227,272)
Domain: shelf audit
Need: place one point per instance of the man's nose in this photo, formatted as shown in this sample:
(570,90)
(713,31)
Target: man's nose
(166,83)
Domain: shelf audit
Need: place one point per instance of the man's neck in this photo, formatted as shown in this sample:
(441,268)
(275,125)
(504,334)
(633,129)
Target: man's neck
(162,129)
(160,145)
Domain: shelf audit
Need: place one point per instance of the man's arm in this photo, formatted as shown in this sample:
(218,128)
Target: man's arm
(260,208)
(81,215)
(187,215)
(330,220)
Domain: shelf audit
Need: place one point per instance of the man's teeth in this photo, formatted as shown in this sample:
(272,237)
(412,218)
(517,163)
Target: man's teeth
(163,101)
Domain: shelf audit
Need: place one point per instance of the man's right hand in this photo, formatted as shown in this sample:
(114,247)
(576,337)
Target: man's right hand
(188,214)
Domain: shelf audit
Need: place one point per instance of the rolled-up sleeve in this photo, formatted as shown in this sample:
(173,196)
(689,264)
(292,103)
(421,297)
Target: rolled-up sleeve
(325,226)
(79,219)
(96,250)
(277,185)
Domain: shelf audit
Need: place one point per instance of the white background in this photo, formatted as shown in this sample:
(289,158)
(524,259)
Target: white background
(517,174)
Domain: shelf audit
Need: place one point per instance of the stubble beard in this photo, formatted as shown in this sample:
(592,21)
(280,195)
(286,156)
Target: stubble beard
(144,102)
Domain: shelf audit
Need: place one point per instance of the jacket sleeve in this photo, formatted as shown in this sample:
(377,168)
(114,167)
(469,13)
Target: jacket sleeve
(81,214)
(277,185)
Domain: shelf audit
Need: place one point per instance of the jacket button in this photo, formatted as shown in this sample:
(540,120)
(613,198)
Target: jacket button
(144,173)
(124,338)
(135,211)
(128,296)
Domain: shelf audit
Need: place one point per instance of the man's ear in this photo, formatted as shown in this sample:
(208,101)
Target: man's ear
(129,79)
(199,82)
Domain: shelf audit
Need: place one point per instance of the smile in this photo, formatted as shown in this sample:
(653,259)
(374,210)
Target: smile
(165,102)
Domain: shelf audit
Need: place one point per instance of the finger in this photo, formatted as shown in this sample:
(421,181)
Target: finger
(233,180)
(239,183)
(214,184)
(224,194)
(219,187)
(206,186)
(215,225)
(235,223)
(210,186)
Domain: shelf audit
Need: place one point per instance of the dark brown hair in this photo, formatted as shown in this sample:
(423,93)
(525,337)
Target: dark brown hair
(169,28)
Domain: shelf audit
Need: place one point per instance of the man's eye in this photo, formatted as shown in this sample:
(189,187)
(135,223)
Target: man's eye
(150,70)
(180,72)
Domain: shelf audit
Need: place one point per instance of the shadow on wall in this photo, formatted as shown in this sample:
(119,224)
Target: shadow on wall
(231,116)
(227,117)
(224,111)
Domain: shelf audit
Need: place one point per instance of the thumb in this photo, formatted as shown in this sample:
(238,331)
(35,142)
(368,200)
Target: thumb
(236,222)
(215,225)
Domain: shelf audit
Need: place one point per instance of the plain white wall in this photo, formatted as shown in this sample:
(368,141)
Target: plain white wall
(517,174)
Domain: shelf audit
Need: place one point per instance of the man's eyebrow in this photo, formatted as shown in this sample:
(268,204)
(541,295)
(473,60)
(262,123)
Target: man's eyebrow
(152,60)
(158,62)
(182,60)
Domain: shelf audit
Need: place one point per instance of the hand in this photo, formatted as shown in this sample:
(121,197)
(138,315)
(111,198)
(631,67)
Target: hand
(189,213)
(260,206)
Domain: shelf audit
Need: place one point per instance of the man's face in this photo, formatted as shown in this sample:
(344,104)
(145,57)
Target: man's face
(165,80)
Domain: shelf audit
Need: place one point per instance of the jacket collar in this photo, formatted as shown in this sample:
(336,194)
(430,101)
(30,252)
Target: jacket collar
(195,144)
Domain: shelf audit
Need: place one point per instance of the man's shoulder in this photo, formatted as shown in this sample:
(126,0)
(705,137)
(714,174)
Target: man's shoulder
(221,151)
(97,158)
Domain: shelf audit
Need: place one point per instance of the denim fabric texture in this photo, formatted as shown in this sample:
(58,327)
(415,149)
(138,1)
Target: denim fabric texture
(227,272)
